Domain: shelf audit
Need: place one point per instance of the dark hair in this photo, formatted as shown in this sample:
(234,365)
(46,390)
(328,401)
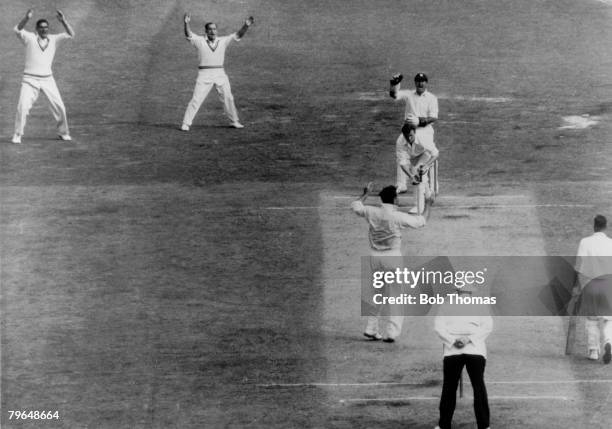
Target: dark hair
(600,223)
(420,77)
(388,195)
(208,24)
(40,21)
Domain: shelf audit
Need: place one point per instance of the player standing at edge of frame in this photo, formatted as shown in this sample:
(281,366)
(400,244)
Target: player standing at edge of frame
(37,75)
(211,53)
(594,274)
(415,147)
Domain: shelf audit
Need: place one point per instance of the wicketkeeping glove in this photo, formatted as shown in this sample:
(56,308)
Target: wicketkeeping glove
(396,79)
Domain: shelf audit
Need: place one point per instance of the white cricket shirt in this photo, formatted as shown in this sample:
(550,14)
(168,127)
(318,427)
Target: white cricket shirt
(594,257)
(38,56)
(423,106)
(386,223)
(211,54)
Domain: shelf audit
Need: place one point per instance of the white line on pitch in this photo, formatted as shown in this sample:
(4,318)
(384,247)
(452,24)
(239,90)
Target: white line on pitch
(525,397)
(335,384)
(504,206)
(407,398)
(605,381)
(442,197)
(298,208)
(425,385)
(443,207)
(434,398)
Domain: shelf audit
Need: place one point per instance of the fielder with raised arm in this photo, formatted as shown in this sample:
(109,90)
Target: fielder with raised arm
(385,223)
(415,147)
(211,52)
(37,75)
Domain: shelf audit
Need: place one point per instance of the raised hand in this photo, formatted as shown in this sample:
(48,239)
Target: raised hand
(396,79)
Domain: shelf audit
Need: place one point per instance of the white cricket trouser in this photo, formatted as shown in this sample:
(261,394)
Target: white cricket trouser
(594,334)
(31,86)
(207,78)
(388,326)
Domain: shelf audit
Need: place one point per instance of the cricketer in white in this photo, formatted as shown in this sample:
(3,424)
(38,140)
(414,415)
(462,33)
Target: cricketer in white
(385,224)
(593,261)
(211,53)
(37,76)
(421,112)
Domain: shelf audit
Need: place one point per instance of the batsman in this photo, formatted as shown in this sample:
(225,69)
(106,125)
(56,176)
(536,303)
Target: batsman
(415,148)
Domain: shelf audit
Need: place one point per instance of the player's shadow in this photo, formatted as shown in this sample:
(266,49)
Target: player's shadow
(177,126)
(169,125)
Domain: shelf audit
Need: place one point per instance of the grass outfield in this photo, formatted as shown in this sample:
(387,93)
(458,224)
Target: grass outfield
(155,279)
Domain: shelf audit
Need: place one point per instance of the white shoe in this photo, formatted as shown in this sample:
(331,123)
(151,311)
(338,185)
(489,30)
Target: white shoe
(184,127)
(593,354)
(65,137)
(401,190)
(413,210)
(16,139)
(237,125)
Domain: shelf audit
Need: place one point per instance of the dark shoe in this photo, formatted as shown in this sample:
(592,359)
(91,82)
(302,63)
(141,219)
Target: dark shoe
(388,340)
(372,337)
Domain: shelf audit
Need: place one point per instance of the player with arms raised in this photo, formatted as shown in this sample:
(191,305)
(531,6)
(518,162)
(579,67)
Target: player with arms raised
(211,53)
(37,75)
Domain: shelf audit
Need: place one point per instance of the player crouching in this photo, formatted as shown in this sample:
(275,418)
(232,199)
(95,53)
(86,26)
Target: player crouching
(414,159)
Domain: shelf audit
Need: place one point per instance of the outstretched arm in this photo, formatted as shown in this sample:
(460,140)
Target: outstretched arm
(247,23)
(187,29)
(410,172)
(62,19)
(366,190)
(25,19)
(357,205)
